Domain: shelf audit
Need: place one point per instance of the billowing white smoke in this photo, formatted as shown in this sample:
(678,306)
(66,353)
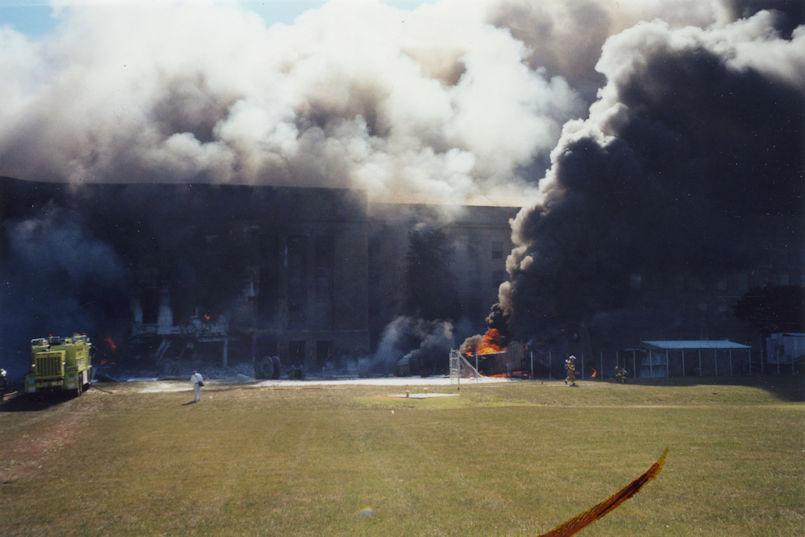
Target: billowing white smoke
(452,101)
(422,346)
(433,102)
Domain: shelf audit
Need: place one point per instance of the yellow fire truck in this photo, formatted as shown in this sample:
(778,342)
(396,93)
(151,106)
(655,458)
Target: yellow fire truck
(60,364)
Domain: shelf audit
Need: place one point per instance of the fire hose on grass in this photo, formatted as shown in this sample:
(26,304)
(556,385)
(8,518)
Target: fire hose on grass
(598,511)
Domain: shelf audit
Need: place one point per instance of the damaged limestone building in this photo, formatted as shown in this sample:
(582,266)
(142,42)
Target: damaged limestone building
(167,276)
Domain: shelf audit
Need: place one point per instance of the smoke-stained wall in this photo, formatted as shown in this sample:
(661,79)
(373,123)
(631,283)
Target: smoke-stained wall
(177,261)
(470,244)
(314,276)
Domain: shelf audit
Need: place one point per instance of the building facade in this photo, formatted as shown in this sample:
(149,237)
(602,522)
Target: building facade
(227,275)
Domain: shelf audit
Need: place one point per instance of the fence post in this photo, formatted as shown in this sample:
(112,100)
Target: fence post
(582,365)
(761,358)
(683,362)
(715,359)
(602,365)
(778,363)
(730,362)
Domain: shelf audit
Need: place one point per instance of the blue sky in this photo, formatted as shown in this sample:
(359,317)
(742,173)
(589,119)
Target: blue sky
(30,18)
(34,18)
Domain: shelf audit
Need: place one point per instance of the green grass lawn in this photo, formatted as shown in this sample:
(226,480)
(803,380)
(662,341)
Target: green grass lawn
(507,459)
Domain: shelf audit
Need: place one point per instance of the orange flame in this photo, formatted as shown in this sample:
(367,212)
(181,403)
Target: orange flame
(595,374)
(207,317)
(490,343)
(111,344)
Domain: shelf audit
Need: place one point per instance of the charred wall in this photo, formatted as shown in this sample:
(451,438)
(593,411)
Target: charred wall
(249,270)
(474,241)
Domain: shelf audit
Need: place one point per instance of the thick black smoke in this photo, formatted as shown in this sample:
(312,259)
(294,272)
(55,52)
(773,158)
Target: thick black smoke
(689,161)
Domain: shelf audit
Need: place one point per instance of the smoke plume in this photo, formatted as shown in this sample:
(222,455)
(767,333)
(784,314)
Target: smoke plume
(434,103)
(411,346)
(57,278)
(445,102)
(645,137)
(688,162)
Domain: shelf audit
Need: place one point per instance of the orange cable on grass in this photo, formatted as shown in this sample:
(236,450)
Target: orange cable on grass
(581,521)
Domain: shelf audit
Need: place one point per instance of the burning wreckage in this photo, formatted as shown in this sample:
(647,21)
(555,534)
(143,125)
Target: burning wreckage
(493,355)
(187,342)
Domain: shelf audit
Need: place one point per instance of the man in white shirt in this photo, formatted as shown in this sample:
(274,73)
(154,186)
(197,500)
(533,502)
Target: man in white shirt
(198,382)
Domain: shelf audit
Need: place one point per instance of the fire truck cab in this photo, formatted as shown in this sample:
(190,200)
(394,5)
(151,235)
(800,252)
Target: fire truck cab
(60,364)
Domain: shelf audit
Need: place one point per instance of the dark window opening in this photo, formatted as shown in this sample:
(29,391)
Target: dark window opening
(296,352)
(297,281)
(150,304)
(268,280)
(324,352)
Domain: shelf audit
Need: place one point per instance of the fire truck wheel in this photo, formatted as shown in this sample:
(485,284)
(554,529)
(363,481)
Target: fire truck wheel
(78,385)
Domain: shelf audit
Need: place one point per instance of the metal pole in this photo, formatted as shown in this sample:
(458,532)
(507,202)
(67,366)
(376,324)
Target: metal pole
(667,364)
(582,365)
(700,363)
(634,363)
(761,358)
(602,366)
(531,355)
(778,361)
(651,364)
(715,359)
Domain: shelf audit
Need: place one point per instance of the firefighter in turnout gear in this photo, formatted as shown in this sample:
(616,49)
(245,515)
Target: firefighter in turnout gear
(570,366)
(620,374)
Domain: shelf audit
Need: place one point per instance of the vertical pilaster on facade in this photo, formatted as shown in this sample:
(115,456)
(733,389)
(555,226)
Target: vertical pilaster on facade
(165,315)
(137,311)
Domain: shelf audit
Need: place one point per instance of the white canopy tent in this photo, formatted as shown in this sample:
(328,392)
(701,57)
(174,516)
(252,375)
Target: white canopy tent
(663,358)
